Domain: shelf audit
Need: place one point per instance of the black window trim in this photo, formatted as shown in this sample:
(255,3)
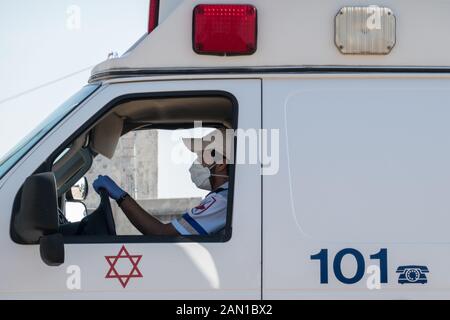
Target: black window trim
(217,238)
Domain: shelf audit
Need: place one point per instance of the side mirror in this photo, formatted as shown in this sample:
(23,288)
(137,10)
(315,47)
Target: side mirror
(78,191)
(35,220)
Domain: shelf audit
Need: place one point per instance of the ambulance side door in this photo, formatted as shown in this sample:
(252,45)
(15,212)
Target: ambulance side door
(154,270)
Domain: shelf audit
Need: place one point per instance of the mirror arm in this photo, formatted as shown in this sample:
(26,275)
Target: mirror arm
(52,249)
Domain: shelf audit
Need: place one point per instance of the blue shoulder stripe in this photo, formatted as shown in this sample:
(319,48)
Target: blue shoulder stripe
(195,224)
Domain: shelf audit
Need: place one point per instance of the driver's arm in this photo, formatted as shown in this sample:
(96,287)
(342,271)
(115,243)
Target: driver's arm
(140,218)
(143,221)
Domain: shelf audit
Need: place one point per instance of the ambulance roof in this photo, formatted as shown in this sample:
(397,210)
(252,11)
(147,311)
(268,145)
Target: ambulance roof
(291,33)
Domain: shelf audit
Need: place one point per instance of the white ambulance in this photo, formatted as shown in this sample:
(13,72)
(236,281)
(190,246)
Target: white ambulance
(355,202)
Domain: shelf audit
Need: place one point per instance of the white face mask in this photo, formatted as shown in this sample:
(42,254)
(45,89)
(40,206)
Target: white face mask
(200,176)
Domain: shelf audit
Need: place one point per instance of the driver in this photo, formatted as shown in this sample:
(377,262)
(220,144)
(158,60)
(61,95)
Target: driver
(210,174)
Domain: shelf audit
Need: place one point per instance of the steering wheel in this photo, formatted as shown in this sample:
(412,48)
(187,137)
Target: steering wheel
(105,207)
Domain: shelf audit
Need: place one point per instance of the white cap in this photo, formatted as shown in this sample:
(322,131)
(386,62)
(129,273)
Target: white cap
(219,140)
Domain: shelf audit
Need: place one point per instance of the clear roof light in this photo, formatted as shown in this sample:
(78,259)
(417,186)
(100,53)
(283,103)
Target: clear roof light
(365,30)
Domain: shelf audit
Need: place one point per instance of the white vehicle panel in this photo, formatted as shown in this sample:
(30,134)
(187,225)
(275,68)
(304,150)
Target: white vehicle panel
(170,270)
(363,166)
(295,33)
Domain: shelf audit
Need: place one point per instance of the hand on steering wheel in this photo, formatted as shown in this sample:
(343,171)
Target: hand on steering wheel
(101,220)
(107,188)
(105,182)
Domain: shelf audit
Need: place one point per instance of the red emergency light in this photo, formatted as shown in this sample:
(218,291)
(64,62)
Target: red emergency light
(153,13)
(224,29)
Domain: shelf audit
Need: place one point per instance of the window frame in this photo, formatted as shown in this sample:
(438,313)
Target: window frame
(216,238)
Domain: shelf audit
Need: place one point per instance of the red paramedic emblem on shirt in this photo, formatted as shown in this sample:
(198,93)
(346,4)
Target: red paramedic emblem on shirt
(203,206)
(124,278)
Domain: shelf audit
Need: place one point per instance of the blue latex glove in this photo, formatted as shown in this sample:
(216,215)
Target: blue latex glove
(111,187)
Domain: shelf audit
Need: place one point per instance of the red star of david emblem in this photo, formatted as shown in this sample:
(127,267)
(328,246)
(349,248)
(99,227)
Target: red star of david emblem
(123,278)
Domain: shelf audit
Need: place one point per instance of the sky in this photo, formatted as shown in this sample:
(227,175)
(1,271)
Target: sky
(44,41)
(39,42)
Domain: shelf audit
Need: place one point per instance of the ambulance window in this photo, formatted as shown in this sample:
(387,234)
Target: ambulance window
(158,166)
(152,166)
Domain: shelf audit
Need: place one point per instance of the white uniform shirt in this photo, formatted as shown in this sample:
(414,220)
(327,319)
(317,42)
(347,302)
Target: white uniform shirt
(208,217)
